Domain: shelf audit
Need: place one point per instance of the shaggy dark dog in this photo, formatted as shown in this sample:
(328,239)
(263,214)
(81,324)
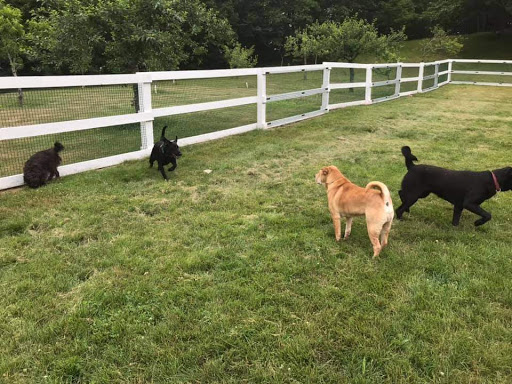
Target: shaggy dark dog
(42,166)
(165,152)
(464,189)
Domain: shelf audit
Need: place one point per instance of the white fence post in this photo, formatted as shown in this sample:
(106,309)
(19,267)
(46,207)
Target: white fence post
(368,88)
(450,69)
(420,77)
(145,105)
(398,78)
(261,121)
(325,86)
(436,75)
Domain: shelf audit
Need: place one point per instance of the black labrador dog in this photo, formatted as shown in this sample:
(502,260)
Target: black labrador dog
(164,152)
(41,167)
(464,189)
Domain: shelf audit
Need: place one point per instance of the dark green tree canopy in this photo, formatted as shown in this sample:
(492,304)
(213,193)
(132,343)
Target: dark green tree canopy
(100,36)
(122,36)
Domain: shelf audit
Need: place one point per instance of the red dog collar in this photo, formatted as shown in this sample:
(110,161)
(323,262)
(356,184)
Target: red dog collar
(496,184)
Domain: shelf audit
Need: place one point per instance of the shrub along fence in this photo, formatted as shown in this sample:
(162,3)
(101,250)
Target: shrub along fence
(103,120)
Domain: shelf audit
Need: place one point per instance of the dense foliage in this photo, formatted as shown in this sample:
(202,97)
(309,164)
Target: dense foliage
(266,23)
(106,36)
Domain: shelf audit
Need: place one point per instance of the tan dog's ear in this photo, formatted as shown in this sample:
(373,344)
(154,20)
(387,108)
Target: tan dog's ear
(325,171)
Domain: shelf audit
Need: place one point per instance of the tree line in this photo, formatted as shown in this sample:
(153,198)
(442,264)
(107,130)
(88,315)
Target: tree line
(126,36)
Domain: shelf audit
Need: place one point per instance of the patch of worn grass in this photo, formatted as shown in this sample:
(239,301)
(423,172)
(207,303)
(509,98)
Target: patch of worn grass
(234,276)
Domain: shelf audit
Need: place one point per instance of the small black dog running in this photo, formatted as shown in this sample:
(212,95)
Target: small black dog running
(164,152)
(464,189)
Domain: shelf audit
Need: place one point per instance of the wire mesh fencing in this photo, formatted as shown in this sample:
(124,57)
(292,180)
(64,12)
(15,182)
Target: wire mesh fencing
(166,93)
(197,123)
(409,72)
(39,106)
(112,118)
(35,106)
(483,72)
(295,89)
(78,146)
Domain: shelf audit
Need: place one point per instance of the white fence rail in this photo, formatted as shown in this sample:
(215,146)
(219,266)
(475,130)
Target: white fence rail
(372,83)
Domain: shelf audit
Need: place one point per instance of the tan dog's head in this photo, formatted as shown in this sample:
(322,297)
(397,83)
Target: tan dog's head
(325,173)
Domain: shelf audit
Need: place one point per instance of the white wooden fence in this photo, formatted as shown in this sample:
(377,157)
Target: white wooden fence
(422,82)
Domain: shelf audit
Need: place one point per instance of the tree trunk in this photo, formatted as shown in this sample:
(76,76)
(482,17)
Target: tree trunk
(134,68)
(15,74)
(351,71)
(305,63)
(136,101)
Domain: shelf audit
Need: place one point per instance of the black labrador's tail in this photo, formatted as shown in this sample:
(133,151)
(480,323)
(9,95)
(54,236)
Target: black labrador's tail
(162,136)
(409,157)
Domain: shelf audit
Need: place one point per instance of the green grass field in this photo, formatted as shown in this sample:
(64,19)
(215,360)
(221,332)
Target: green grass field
(118,276)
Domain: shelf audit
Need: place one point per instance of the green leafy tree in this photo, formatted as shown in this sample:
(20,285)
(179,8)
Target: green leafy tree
(349,39)
(25,6)
(354,37)
(161,34)
(443,13)
(299,46)
(126,36)
(308,43)
(345,42)
(265,24)
(240,57)
(388,49)
(12,39)
(66,39)
(441,45)
(396,14)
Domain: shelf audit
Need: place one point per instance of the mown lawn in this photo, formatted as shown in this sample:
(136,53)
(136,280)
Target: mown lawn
(118,276)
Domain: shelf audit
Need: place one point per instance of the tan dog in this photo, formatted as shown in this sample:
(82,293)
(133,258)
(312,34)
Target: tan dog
(349,200)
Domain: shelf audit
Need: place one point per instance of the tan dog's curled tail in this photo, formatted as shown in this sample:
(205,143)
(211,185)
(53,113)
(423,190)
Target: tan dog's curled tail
(384,193)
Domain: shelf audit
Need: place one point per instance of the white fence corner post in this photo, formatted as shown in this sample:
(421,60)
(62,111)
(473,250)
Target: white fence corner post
(450,69)
(326,89)
(145,105)
(398,79)
(261,121)
(368,87)
(420,77)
